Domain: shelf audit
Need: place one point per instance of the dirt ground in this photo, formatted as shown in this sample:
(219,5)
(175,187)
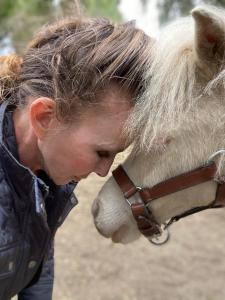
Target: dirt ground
(189,267)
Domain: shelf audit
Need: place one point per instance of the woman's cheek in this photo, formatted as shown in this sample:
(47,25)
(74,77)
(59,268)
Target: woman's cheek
(86,165)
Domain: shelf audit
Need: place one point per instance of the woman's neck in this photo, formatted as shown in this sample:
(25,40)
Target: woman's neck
(27,147)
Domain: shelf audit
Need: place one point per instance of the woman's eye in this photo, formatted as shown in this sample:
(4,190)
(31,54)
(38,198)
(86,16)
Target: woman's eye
(103,154)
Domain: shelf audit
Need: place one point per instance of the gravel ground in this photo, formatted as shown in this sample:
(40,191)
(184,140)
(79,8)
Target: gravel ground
(189,267)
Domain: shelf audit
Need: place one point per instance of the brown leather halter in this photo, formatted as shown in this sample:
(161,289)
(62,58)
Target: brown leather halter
(146,221)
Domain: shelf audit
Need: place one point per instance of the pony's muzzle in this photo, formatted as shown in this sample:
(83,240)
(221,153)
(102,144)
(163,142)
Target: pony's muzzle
(95,208)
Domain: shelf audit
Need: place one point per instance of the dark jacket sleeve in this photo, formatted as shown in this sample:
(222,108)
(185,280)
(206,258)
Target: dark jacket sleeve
(42,289)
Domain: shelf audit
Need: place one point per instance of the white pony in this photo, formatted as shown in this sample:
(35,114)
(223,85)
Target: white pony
(177,124)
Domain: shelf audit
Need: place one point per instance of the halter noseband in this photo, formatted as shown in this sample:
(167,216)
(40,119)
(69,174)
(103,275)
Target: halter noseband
(142,213)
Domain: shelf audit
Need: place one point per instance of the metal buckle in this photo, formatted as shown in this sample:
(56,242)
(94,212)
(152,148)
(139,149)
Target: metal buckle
(138,189)
(161,239)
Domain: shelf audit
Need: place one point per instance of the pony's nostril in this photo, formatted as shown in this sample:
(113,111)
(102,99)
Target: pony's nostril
(95,208)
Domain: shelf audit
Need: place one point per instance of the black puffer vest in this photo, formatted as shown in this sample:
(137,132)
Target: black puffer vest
(31,209)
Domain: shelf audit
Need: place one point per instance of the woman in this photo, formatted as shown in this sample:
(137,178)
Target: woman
(64,105)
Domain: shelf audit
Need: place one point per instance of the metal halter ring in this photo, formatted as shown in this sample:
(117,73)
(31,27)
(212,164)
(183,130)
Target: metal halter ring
(162,239)
(214,155)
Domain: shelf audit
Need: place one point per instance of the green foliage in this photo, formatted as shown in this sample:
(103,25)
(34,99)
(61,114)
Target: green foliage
(169,9)
(21,18)
(6,8)
(102,8)
(22,8)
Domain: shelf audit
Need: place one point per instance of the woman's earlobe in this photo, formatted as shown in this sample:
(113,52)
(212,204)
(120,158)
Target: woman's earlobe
(42,113)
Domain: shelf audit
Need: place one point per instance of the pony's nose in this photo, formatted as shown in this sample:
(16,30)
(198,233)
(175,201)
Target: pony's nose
(95,208)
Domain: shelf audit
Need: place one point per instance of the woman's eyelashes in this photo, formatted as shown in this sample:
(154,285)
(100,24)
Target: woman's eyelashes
(104,154)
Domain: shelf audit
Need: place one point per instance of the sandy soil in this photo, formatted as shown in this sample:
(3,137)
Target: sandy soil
(189,267)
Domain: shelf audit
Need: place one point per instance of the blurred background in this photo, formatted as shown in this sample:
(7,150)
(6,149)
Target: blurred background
(19,19)
(190,266)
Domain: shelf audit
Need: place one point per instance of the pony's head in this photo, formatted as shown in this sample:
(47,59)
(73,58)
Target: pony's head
(176,125)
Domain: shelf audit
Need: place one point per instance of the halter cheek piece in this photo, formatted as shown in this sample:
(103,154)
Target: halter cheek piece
(142,213)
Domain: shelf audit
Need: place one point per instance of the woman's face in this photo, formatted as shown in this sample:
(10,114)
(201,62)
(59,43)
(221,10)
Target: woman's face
(89,145)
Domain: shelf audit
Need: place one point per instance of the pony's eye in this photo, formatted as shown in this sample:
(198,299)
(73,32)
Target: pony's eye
(103,154)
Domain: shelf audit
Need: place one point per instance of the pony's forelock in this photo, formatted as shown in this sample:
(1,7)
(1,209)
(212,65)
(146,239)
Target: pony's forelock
(169,86)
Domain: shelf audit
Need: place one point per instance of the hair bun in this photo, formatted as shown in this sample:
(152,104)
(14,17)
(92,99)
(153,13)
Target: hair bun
(10,66)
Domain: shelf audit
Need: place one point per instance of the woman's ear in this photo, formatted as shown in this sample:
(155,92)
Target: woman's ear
(42,113)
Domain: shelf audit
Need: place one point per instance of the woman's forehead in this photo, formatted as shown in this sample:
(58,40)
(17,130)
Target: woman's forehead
(114,99)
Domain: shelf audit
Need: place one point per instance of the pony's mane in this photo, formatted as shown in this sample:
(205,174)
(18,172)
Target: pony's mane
(172,88)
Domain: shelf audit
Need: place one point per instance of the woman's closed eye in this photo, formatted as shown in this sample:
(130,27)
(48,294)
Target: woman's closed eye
(104,154)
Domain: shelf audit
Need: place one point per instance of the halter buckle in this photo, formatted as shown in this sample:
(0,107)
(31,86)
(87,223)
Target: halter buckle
(137,190)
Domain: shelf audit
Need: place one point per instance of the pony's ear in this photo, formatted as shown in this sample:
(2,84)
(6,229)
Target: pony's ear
(209,34)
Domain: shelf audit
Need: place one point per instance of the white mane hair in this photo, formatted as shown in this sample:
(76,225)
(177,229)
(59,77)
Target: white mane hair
(179,96)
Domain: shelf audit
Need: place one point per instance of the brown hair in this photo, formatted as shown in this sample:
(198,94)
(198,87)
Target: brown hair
(72,60)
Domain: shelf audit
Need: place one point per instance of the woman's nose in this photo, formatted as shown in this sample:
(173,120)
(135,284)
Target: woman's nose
(103,168)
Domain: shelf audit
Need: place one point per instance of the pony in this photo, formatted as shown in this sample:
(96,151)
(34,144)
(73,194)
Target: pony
(176,125)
